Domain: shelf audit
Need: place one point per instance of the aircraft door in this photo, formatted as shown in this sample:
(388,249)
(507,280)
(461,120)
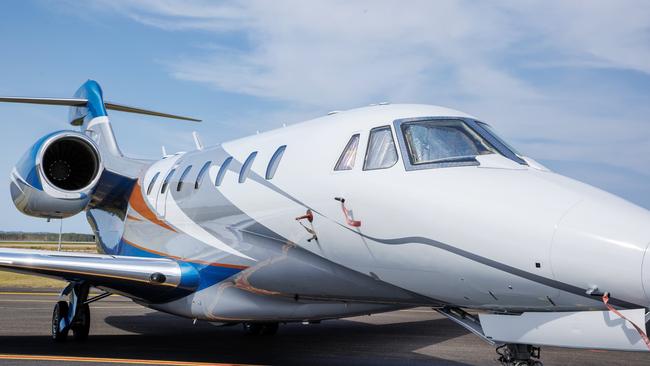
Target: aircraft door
(367,197)
(368,157)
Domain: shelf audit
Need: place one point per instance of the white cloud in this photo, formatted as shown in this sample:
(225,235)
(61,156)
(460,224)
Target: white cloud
(334,53)
(600,33)
(470,55)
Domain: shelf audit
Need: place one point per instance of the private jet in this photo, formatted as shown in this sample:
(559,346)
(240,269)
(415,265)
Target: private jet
(362,211)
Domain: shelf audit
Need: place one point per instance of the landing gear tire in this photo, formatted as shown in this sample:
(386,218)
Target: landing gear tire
(60,312)
(266,329)
(519,355)
(269,329)
(252,329)
(81,326)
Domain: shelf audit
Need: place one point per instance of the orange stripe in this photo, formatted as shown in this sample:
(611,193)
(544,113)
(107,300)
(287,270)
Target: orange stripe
(111,360)
(224,265)
(136,201)
(131,217)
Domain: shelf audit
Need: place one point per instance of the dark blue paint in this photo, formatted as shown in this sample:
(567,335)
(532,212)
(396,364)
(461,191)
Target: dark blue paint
(205,274)
(91,91)
(26,166)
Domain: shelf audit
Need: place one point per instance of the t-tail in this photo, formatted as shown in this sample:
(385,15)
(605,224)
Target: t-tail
(58,176)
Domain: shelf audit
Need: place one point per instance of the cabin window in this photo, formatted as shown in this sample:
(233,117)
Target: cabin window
(246,168)
(179,186)
(381,152)
(222,171)
(275,161)
(166,181)
(349,154)
(199,177)
(153,181)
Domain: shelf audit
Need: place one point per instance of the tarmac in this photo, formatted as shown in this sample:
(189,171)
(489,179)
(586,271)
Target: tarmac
(123,332)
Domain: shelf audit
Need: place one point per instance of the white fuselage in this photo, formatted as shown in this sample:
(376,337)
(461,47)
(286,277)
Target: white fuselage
(498,235)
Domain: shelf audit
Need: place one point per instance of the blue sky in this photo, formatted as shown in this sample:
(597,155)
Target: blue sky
(568,83)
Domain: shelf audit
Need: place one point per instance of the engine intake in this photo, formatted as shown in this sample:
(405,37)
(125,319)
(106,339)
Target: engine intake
(70,163)
(57,175)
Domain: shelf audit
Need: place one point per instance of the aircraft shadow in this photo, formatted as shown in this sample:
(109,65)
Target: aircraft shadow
(166,337)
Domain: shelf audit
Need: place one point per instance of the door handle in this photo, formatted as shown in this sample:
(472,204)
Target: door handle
(346,213)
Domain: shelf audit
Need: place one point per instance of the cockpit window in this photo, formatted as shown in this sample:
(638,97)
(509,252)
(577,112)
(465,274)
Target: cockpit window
(349,154)
(494,134)
(442,141)
(381,153)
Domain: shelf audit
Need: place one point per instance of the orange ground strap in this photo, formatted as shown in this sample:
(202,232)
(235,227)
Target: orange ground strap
(638,329)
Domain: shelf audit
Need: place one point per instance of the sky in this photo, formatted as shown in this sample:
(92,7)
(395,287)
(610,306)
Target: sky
(566,82)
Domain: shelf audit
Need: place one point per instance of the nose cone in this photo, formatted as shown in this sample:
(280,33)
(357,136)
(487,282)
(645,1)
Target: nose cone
(601,242)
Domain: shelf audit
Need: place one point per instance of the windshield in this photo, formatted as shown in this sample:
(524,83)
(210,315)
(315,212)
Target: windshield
(442,140)
(492,132)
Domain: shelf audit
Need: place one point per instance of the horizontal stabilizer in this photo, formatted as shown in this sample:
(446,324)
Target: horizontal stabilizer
(80,102)
(72,102)
(124,108)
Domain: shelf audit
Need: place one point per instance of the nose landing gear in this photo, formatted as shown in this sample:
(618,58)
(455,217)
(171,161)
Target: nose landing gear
(266,329)
(519,355)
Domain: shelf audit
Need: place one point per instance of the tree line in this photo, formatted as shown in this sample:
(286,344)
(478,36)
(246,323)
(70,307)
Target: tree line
(42,236)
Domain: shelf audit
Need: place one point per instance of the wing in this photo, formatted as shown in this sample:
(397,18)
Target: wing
(148,279)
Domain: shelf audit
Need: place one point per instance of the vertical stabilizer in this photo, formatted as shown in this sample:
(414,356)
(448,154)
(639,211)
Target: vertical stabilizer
(94,122)
(88,111)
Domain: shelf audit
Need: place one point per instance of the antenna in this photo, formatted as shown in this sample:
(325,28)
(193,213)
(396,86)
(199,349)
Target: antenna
(197,141)
(60,232)
(164,151)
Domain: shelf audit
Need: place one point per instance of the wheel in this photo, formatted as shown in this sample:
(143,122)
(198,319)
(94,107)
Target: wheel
(60,312)
(81,326)
(257,329)
(252,328)
(269,329)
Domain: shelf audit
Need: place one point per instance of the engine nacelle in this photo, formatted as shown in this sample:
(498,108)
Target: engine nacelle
(56,176)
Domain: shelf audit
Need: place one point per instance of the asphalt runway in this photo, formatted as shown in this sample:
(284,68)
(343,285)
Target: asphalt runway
(123,332)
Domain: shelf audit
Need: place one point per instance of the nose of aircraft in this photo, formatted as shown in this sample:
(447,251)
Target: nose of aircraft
(602,242)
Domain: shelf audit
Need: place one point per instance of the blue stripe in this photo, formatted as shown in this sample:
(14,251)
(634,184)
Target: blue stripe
(26,166)
(207,275)
(95,108)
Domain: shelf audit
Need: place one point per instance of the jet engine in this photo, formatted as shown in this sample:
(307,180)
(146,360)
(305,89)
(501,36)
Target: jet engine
(57,175)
